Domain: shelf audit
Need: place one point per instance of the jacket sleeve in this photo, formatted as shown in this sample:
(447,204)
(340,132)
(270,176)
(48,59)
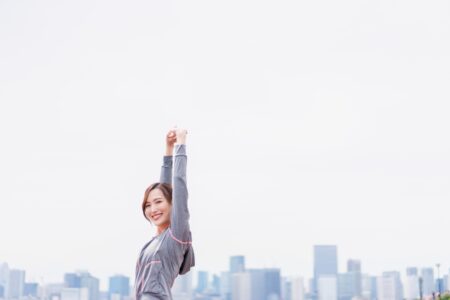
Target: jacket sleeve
(166,170)
(179,223)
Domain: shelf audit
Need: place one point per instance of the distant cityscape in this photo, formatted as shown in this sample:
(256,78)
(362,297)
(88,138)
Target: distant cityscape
(241,283)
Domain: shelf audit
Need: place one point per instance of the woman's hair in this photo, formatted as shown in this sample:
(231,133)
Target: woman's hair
(165,188)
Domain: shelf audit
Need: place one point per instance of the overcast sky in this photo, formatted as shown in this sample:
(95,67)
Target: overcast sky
(310,122)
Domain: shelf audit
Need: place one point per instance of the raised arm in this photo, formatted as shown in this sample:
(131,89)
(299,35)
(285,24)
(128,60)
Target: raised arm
(180,212)
(166,169)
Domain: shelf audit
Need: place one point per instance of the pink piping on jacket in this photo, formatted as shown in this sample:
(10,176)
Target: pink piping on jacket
(138,290)
(179,241)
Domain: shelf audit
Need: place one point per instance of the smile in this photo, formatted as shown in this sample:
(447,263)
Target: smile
(156,216)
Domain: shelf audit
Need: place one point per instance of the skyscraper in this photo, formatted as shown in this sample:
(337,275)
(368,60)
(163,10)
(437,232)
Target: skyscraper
(72,280)
(237,264)
(241,286)
(428,281)
(389,286)
(325,263)
(30,289)
(297,289)
(264,283)
(411,284)
(182,287)
(16,283)
(216,284)
(272,280)
(225,285)
(349,284)
(119,285)
(327,287)
(410,271)
(92,284)
(202,281)
(354,265)
(69,293)
(4,280)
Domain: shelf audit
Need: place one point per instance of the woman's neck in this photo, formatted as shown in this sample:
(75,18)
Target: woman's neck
(160,229)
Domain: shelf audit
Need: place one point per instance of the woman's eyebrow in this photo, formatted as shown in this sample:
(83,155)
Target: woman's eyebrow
(149,201)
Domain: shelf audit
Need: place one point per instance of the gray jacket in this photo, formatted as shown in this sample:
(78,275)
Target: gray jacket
(170,253)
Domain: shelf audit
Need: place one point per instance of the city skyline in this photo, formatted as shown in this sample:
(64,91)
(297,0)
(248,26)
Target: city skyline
(244,283)
(325,263)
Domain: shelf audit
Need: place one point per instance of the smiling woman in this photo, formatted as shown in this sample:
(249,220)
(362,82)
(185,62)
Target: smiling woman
(170,251)
(157,205)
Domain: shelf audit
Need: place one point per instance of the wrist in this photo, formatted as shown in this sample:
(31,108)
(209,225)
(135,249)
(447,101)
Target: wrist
(181,140)
(169,150)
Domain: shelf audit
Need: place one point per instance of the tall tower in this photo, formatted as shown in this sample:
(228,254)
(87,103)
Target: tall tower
(325,263)
(237,264)
(428,281)
(202,281)
(16,283)
(411,289)
(119,285)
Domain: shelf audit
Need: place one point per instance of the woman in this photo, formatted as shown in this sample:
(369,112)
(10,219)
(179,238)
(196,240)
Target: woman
(170,252)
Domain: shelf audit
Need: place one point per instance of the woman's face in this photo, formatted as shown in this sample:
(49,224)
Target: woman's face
(157,208)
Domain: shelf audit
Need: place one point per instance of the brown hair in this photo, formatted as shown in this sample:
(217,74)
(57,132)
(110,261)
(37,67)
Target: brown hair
(165,188)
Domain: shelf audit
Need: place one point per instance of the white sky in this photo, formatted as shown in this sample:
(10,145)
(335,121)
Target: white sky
(309,122)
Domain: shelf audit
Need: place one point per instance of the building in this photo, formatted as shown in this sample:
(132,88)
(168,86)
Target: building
(72,280)
(327,287)
(297,289)
(68,293)
(4,280)
(256,284)
(427,281)
(225,285)
(412,284)
(241,286)
(325,263)
(412,271)
(30,289)
(354,265)
(389,286)
(16,284)
(349,284)
(202,281)
(237,264)
(182,287)
(82,279)
(119,285)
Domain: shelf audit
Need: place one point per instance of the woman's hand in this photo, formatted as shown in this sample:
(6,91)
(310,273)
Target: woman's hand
(180,135)
(171,138)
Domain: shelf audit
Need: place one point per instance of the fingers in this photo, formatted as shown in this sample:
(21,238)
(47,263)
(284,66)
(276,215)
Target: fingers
(176,132)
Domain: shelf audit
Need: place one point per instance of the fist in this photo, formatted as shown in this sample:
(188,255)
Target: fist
(171,138)
(180,135)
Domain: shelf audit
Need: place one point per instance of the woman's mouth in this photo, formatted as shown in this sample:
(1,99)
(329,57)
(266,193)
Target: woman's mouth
(156,216)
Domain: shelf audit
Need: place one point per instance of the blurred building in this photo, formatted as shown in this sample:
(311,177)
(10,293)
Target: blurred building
(411,289)
(427,281)
(389,286)
(119,287)
(16,284)
(68,293)
(237,264)
(327,287)
(182,287)
(297,289)
(325,264)
(202,281)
